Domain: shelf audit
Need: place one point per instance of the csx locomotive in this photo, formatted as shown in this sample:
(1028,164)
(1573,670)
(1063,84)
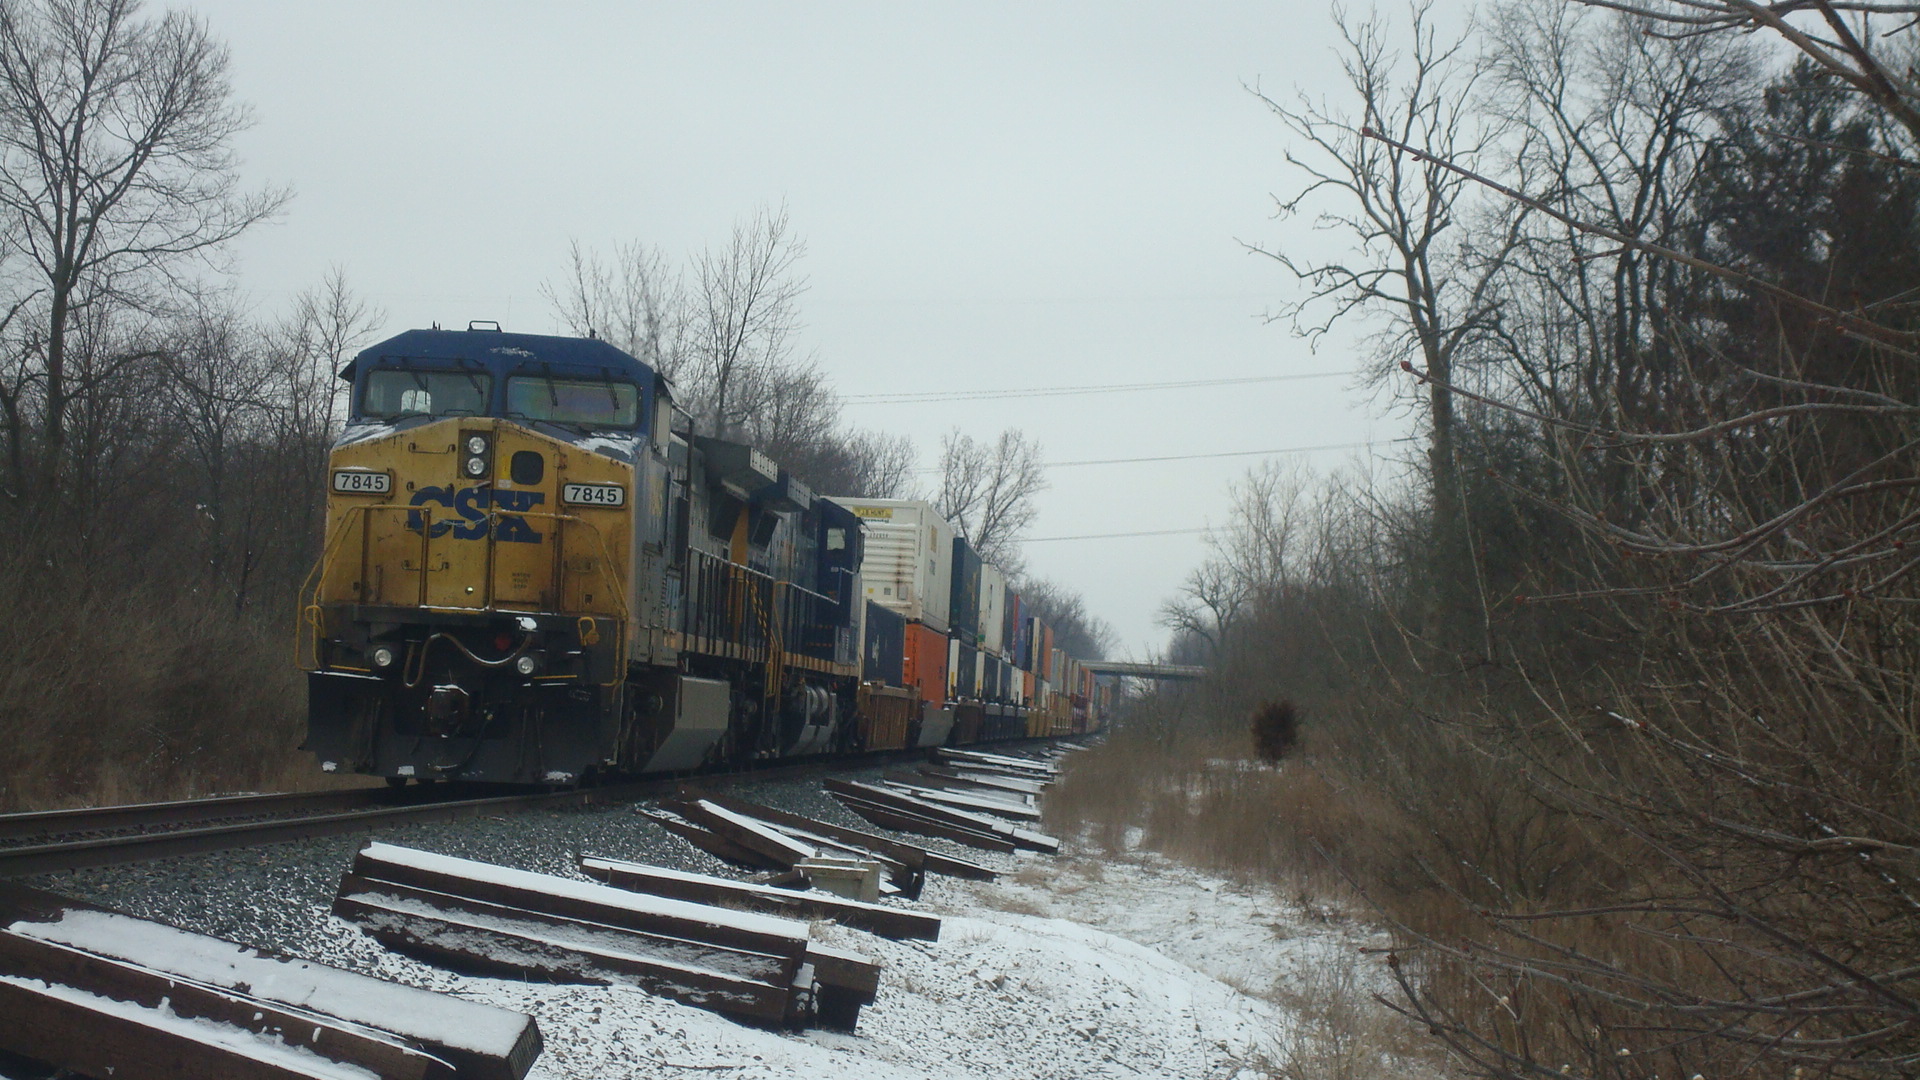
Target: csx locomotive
(534,572)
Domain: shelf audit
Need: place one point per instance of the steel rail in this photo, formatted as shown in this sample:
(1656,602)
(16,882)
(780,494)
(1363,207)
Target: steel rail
(185,811)
(139,847)
(29,859)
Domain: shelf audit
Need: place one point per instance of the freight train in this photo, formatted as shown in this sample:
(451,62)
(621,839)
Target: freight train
(535,572)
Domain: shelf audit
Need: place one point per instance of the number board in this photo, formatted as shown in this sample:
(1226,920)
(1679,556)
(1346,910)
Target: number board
(361,482)
(594,494)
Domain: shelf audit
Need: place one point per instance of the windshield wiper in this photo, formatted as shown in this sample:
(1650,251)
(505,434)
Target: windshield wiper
(536,420)
(479,391)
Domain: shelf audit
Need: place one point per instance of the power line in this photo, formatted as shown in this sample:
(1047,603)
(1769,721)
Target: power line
(1225,454)
(1197,457)
(942,396)
(1113,536)
(1185,457)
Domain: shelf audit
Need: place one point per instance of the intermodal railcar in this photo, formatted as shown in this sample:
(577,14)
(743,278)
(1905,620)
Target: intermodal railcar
(535,572)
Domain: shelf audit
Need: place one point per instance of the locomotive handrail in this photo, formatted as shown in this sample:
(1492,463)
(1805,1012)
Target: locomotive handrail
(732,605)
(310,611)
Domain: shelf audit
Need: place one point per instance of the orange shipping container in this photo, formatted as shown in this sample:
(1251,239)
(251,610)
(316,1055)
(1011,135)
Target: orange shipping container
(926,666)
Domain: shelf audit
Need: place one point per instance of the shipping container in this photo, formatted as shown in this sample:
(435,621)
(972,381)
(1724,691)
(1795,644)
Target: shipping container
(1013,630)
(1040,715)
(909,558)
(926,663)
(964,678)
(963,603)
(993,610)
(886,646)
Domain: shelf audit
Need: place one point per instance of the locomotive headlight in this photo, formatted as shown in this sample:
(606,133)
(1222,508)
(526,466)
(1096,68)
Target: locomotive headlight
(381,656)
(526,665)
(476,466)
(477,445)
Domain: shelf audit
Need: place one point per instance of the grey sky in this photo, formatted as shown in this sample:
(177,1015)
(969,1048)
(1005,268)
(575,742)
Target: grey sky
(1000,196)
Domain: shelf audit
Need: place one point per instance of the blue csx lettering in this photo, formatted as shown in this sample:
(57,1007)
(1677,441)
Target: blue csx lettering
(472,504)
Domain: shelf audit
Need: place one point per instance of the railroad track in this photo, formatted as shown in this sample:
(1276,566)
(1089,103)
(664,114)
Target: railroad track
(51,841)
(197,826)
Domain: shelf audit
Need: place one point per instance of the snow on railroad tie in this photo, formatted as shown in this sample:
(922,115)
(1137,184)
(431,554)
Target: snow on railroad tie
(758,968)
(1043,770)
(874,918)
(893,809)
(907,864)
(101,993)
(999,804)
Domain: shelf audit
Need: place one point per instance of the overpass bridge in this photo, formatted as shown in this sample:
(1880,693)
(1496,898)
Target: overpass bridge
(1188,672)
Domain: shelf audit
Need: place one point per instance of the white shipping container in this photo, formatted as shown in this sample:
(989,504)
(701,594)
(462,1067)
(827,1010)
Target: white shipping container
(909,560)
(993,610)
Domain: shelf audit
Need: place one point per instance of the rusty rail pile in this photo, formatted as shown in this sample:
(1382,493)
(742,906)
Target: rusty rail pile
(97,992)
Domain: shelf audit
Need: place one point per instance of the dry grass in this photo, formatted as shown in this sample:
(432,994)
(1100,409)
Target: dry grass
(1201,802)
(1343,1033)
(130,691)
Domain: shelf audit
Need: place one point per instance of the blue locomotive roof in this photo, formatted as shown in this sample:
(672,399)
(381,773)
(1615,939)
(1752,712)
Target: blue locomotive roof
(502,353)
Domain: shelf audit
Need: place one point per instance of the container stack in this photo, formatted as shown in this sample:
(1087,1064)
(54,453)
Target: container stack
(953,655)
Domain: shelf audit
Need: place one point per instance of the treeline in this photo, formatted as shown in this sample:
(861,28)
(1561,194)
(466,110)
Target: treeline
(1612,709)
(163,446)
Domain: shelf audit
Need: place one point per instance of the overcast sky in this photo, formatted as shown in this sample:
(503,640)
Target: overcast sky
(1011,197)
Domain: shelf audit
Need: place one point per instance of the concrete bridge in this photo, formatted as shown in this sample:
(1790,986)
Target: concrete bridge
(1188,672)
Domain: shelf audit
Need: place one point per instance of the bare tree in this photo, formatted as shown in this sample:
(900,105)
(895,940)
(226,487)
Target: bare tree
(987,491)
(328,323)
(883,466)
(116,173)
(636,300)
(1083,635)
(726,342)
(1253,558)
(745,312)
(1413,259)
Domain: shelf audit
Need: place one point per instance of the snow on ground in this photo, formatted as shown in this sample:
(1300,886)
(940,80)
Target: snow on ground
(1067,967)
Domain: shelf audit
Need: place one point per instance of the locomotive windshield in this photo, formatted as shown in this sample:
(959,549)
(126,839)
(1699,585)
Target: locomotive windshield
(392,393)
(586,403)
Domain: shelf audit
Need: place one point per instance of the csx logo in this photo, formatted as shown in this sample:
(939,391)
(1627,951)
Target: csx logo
(472,505)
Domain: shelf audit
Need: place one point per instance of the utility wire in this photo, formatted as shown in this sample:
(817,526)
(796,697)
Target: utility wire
(941,396)
(1224,454)
(1113,536)
(1196,457)
(1183,457)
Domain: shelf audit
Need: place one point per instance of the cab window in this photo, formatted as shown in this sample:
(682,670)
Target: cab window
(590,403)
(391,393)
